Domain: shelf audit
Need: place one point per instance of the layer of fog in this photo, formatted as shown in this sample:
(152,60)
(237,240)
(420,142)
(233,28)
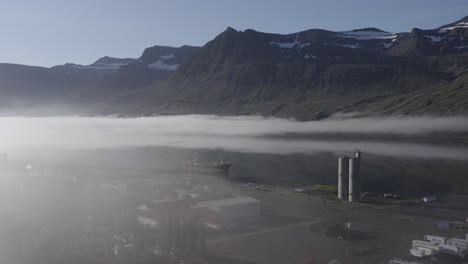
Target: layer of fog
(231,133)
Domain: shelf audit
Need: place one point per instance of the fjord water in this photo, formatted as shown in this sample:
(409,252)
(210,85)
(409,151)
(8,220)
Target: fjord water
(408,154)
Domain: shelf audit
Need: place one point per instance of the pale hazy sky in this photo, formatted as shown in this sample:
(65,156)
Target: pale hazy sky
(46,33)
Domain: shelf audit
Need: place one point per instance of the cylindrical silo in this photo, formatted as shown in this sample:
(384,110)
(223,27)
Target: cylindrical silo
(357,176)
(358,161)
(358,154)
(342,173)
(351,180)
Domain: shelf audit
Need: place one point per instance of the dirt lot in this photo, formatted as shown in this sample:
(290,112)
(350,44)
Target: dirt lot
(308,229)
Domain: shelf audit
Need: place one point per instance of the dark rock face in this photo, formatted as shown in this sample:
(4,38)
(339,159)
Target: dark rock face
(315,73)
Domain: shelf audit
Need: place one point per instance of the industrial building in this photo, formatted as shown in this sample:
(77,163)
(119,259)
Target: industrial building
(349,177)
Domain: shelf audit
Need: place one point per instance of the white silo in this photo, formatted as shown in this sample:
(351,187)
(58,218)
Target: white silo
(358,160)
(342,176)
(357,176)
(358,154)
(352,179)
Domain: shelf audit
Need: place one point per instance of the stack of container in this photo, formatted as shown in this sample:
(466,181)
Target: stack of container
(432,245)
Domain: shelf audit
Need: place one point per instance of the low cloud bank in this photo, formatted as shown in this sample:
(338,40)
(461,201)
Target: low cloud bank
(230,133)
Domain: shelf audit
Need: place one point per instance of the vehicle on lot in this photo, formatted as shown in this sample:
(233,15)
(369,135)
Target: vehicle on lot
(429,199)
(369,194)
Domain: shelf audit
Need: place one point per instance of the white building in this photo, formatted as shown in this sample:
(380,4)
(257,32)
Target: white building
(423,248)
(425,244)
(435,239)
(452,250)
(458,242)
(421,252)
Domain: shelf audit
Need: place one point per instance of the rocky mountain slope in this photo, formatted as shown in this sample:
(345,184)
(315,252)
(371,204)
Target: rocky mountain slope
(308,75)
(316,73)
(154,65)
(21,86)
(34,90)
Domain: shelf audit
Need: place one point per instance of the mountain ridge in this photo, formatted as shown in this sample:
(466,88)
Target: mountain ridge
(311,74)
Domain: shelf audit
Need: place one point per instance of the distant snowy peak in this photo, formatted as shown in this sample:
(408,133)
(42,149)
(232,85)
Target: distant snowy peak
(366,34)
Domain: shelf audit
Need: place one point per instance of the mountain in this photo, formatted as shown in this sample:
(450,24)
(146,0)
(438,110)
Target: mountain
(50,91)
(315,73)
(22,86)
(154,65)
(311,74)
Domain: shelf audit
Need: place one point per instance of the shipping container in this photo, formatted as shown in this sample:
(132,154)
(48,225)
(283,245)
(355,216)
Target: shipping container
(417,253)
(435,239)
(425,244)
(453,250)
(458,242)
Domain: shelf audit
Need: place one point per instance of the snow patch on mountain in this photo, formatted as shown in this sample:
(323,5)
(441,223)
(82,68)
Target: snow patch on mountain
(458,25)
(161,65)
(310,56)
(101,66)
(289,45)
(387,45)
(167,57)
(349,46)
(461,47)
(366,34)
(304,45)
(435,38)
